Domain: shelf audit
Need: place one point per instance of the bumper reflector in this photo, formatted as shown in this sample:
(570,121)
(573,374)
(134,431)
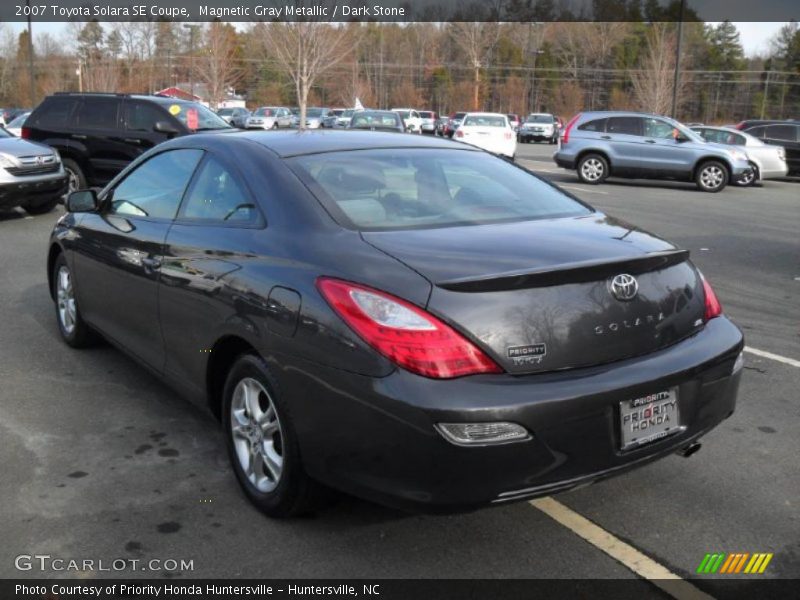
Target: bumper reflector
(482,434)
(737,366)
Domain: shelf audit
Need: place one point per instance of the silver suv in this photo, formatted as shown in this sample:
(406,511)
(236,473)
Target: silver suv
(640,145)
(31,175)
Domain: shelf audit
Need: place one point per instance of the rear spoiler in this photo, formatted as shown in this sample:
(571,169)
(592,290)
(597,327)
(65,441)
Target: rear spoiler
(576,272)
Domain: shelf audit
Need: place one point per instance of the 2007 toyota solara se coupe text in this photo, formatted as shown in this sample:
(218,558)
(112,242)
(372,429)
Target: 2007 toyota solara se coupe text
(410,320)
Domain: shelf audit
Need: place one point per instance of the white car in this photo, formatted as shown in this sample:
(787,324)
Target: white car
(538,126)
(768,161)
(15,126)
(270,117)
(411,119)
(490,131)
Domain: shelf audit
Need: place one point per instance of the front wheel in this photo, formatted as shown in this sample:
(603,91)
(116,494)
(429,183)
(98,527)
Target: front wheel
(74,331)
(592,169)
(711,176)
(750,178)
(262,443)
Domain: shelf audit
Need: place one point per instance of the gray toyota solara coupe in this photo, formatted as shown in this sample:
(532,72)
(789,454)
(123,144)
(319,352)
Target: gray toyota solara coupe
(407,319)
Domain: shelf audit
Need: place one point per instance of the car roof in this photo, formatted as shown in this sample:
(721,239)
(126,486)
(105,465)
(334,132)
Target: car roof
(487,114)
(296,143)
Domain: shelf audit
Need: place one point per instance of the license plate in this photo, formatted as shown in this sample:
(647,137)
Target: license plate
(649,418)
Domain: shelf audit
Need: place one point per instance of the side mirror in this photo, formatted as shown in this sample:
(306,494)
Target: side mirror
(82,201)
(165,127)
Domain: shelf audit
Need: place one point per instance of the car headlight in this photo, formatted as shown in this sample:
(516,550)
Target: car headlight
(7,162)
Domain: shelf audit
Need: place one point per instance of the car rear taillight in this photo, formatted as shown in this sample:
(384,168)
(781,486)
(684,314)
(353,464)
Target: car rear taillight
(405,334)
(713,305)
(508,135)
(569,126)
(459,133)
(25,133)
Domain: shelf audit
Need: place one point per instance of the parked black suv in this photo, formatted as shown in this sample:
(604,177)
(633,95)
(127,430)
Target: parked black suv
(97,135)
(777,133)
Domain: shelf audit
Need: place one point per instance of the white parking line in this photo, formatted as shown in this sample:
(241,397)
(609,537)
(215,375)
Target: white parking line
(580,189)
(627,555)
(771,356)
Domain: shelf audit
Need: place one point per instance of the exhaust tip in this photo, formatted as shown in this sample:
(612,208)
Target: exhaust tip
(687,451)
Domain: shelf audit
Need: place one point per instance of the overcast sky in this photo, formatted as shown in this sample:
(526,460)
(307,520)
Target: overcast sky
(755,36)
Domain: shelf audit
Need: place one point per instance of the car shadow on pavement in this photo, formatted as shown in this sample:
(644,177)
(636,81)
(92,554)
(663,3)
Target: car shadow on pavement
(10,214)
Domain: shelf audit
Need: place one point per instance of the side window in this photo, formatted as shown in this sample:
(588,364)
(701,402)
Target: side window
(656,128)
(756,131)
(55,112)
(155,188)
(98,113)
(216,195)
(624,125)
(786,133)
(596,125)
(141,116)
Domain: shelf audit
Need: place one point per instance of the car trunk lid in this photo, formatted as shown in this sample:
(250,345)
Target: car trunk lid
(538,296)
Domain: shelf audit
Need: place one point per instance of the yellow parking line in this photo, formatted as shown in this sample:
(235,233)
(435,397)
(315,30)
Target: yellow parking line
(627,555)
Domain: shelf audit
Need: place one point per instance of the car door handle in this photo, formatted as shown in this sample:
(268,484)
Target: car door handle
(151,263)
(605,137)
(650,141)
(132,141)
(78,136)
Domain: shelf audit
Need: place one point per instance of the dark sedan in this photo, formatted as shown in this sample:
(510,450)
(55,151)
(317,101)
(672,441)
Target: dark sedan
(377,120)
(407,319)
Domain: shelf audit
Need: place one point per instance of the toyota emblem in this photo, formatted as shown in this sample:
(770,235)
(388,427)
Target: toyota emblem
(624,287)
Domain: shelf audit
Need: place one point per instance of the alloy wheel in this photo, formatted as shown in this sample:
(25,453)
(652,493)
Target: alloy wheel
(66,300)
(257,434)
(73,182)
(592,169)
(712,177)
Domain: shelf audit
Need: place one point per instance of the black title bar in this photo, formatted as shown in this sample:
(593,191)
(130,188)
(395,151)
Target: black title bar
(399,10)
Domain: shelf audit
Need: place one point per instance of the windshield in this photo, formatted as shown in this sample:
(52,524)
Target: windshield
(349,112)
(314,113)
(484,121)
(19,121)
(412,188)
(426,114)
(540,119)
(197,117)
(404,114)
(225,112)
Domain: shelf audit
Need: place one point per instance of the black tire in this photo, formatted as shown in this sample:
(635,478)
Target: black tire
(80,335)
(76,178)
(711,176)
(751,180)
(42,207)
(293,492)
(275,125)
(592,169)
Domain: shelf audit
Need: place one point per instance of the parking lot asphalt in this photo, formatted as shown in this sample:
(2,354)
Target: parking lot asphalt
(101,461)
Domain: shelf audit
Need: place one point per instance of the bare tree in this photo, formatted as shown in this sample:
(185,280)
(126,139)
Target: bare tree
(476,41)
(653,81)
(218,65)
(305,50)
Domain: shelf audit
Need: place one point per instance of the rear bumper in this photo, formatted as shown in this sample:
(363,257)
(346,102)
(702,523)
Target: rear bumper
(563,161)
(375,437)
(32,190)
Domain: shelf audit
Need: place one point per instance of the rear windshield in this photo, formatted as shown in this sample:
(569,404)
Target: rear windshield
(197,117)
(426,114)
(484,121)
(376,119)
(540,119)
(379,190)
